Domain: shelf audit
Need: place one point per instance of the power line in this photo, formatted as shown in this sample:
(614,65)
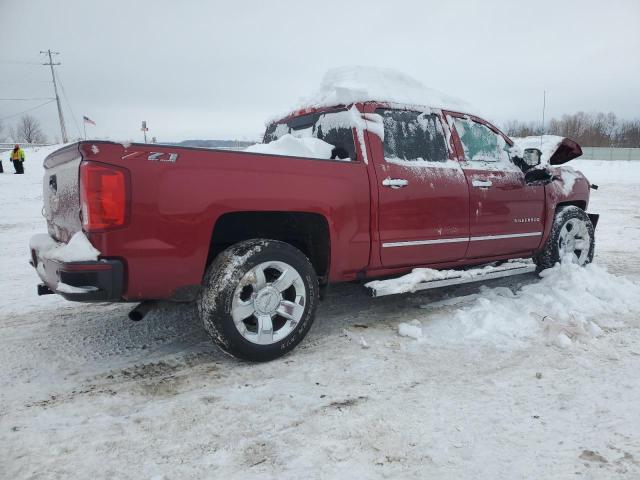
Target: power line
(63,128)
(20,62)
(28,110)
(25,99)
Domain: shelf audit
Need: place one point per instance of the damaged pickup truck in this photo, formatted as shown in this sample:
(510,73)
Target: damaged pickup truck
(255,236)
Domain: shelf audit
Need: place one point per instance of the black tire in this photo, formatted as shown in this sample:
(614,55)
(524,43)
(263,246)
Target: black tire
(223,277)
(550,254)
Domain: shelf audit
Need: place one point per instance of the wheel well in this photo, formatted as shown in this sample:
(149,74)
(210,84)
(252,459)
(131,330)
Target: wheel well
(308,232)
(576,203)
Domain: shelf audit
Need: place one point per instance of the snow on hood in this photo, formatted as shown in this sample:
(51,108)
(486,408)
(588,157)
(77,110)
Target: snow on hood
(347,85)
(555,149)
(288,145)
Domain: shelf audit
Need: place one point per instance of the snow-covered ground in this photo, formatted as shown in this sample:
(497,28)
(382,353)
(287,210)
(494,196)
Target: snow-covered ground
(520,378)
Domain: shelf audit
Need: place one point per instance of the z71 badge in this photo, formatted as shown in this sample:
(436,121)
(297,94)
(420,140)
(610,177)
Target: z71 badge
(163,157)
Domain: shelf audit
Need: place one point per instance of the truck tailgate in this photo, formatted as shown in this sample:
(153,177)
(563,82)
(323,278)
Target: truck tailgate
(61,192)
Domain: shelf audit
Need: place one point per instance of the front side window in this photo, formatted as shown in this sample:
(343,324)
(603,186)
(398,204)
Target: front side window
(480,143)
(330,127)
(413,137)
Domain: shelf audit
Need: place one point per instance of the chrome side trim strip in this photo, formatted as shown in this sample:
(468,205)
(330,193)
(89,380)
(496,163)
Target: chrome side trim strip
(512,235)
(414,243)
(425,242)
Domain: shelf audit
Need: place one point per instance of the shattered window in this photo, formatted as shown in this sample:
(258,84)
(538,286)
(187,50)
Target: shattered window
(329,127)
(413,136)
(480,143)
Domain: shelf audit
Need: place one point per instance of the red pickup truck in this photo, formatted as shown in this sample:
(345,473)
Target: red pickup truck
(254,238)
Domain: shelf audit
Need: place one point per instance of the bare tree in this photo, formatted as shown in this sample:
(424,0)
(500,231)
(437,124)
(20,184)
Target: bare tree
(588,129)
(3,135)
(516,128)
(28,130)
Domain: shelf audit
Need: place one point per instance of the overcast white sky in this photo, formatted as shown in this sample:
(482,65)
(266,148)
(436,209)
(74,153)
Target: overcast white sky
(214,69)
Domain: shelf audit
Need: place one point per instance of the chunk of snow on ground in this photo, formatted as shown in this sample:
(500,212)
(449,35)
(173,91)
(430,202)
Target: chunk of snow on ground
(564,333)
(412,329)
(79,248)
(352,84)
(568,300)
(359,339)
(289,145)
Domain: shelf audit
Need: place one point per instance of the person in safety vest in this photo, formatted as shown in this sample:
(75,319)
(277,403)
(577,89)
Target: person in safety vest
(17,157)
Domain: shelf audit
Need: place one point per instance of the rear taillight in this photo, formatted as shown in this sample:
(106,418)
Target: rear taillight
(103,196)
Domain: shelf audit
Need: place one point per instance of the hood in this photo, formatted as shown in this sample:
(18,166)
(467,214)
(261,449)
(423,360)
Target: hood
(555,150)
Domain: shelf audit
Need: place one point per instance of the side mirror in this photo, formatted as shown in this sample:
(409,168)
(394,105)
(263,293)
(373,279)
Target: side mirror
(538,176)
(532,157)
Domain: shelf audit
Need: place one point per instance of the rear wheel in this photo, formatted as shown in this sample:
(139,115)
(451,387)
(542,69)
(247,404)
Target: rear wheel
(259,299)
(571,239)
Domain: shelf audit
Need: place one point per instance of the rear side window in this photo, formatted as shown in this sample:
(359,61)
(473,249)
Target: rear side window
(480,143)
(413,136)
(328,126)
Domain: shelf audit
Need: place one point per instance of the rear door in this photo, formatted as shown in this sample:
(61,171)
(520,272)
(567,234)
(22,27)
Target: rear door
(423,211)
(506,215)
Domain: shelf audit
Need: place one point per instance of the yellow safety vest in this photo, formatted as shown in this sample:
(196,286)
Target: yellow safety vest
(17,155)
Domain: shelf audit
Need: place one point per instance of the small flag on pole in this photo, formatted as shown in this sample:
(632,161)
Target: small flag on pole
(88,120)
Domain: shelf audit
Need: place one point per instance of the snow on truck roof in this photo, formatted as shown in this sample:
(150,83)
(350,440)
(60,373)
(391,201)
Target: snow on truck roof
(355,84)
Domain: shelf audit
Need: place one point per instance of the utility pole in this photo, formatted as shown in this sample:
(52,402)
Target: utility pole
(63,129)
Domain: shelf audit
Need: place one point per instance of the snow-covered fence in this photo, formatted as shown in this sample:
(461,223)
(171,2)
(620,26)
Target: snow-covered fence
(9,146)
(606,153)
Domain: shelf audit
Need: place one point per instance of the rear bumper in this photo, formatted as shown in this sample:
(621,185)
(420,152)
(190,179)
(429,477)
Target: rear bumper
(94,281)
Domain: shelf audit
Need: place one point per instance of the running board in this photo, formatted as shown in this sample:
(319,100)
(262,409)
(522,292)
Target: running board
(426,278)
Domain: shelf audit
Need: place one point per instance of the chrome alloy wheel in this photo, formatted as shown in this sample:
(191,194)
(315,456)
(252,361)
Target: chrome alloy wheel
(574,241)
(268,302)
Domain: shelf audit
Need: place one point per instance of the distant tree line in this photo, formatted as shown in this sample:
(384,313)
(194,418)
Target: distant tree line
(588,129)
(26,130)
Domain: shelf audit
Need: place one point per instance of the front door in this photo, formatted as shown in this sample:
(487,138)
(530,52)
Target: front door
(506,215)
(423,211)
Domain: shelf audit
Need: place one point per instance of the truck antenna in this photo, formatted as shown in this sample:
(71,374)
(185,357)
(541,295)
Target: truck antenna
(544,105)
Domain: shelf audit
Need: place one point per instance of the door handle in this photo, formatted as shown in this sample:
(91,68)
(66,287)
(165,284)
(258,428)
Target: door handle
(481,183)
(395,183)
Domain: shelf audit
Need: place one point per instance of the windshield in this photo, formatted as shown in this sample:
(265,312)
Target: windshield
(332,127)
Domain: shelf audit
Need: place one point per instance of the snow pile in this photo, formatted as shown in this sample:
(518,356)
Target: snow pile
(288,145)
(569,304)
(352,84)
(79,249)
